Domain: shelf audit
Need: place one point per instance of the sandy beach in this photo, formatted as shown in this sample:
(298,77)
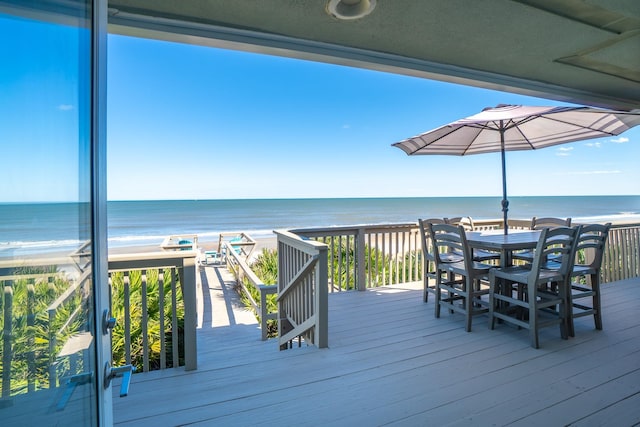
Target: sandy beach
(261,244)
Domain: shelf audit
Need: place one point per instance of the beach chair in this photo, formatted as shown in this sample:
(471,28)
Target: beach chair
(212,257)
(236,248)
(241,243)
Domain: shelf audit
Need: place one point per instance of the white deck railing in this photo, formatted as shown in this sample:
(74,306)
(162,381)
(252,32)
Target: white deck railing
(361,257)
(174,269)
(302,290)
(622,253)
(237,264)
(367,256)
(42,313)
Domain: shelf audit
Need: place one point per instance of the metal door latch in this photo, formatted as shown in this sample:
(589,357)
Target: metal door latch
(124,371)
(108,322)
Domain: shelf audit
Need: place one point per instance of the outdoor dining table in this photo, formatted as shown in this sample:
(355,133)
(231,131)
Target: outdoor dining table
(506,244)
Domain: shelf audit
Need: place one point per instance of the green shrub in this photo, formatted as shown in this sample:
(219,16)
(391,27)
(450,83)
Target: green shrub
(36,338)
(154,333)
(265,267)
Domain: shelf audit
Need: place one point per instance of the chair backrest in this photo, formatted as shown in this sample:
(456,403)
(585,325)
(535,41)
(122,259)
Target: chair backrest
(425,233)
(559,244)
(465,221)
(592,240)
(548,222)
(447,238)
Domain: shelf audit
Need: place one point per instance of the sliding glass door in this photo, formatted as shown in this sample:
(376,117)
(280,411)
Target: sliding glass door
(52,252)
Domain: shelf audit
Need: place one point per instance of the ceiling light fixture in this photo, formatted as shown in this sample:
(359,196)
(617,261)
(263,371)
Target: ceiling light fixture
(350,9)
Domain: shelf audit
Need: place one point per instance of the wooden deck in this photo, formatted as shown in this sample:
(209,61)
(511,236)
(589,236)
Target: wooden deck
(390,361)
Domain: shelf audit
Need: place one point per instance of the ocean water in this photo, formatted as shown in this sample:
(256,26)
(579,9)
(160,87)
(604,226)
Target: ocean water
(50,226)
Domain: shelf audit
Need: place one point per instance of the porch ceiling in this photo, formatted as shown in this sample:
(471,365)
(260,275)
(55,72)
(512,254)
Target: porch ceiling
(580,51)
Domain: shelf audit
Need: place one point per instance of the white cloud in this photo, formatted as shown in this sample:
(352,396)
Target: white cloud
(563,151)
(601,172)
(620,140)
(65,107)
(594,144)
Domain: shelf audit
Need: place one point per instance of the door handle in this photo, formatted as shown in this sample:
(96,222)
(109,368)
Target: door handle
(124,371)
(108,322)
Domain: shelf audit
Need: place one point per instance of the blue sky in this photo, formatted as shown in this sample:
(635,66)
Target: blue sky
(190,122)
(209,123)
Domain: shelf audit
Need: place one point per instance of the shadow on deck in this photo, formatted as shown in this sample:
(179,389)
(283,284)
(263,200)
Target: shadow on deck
(390,361)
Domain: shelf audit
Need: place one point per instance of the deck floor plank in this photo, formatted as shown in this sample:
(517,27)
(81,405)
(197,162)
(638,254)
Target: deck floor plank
(390,361)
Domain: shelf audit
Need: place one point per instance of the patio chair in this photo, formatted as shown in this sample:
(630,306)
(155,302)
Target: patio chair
(429,263)
(549,222)
(541,290)
(460,285)
(540,224)
(465,221)
(478,254)
(590,252)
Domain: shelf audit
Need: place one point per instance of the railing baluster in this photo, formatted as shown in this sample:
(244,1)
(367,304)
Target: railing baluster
(378,260)
(359,259)
(635,257)
(52,347)
(163,344)
(615,255)
(144,322)
(31,356)
(368,265)
(188,269)
(7,336)
(127,318)
(385,266)
(174,318)
(348,263)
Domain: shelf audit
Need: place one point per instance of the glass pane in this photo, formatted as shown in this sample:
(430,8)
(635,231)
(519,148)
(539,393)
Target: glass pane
(47,344)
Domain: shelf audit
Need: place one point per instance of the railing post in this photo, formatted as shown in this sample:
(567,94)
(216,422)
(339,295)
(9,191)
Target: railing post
(361,279)
(52,347)
(7,336)
(31,357)
(190,322)
(322,299)
(263,313)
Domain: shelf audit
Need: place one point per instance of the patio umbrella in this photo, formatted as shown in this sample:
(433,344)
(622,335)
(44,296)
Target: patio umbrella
(517,127)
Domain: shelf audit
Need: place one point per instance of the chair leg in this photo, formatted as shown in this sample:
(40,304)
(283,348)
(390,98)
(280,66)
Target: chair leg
(425,295)
(597,312)
(569,310)
(566,322)
(468,301)
(438,297)
(493,288)
(533,316)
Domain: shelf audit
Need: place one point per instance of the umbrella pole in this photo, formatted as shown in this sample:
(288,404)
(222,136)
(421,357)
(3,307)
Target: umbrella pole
(505,202)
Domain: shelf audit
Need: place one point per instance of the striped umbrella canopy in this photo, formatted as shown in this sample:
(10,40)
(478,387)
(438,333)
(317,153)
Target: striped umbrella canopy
(515,128)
